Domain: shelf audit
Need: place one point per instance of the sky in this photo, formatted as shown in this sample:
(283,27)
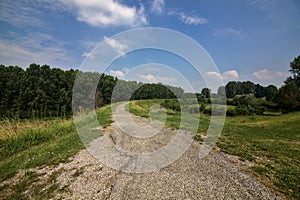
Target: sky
(246,39)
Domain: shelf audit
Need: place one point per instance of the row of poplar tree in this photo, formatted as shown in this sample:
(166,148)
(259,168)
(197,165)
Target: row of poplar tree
(42,91)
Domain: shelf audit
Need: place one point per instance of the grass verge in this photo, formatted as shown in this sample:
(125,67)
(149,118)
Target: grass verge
(38,147)
(271,142)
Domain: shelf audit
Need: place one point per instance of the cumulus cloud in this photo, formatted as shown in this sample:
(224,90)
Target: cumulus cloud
(228,75)
(106,12)
(117,73)
(214,74)
(156,79)
(265,74)
(157,6)
(33,47)
(118,46)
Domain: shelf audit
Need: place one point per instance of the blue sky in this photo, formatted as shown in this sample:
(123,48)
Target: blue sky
(248,40)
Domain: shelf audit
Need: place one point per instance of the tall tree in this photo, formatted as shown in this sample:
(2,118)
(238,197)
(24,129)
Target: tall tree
(206,92)
(222,91)
(295,71)
(247,87)
(288,96)
(231,89)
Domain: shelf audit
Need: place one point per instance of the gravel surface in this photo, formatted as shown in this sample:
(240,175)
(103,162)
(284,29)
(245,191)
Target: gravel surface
(217,176)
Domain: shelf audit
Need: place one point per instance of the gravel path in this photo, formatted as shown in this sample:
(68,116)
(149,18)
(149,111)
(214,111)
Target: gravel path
(217,176)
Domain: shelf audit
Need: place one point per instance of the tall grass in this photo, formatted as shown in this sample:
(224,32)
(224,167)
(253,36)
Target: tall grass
(41,143)
(31,147)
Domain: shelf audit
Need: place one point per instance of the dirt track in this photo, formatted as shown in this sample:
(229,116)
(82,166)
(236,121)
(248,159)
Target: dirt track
(217,176)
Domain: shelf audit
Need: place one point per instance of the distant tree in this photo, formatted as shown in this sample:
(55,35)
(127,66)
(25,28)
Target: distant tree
(247,87)
(295,71)
(201,98)
(288,97)
(157,91)
(259,91)
(231,89)
(222,91)
(189,95)
(267,92)
(206,92)
(270,92)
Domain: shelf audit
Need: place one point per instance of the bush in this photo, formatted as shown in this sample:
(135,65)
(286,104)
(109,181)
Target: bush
(207,110)
(231,111)
(202,107)
(242,110)
(172,104)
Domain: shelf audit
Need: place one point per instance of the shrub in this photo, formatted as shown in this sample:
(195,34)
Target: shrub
(172,104)
(202,107)
(231,111)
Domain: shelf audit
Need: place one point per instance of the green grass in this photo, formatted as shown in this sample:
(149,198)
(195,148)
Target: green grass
(104,115)
(271,142)
(173,119)
(37,147)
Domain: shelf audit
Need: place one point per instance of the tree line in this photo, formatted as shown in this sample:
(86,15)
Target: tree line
(41,91)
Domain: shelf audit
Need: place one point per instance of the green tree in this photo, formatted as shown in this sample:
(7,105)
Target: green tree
(221,91)
(231,89)
(295,71)
(206,92)
(267,92)
(247,87)
(288,97)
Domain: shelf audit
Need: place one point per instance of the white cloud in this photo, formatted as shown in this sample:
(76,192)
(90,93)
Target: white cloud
(214,74)
(117,73)
(265,74)
(156,79)
(118,46)
(106,13)
(157,6)
(192,19)
(26,13)
(33,47)
(237,33)
(228,75)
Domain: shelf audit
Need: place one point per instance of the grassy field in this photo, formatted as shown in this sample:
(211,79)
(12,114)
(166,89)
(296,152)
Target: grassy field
(25,145)
(271,142)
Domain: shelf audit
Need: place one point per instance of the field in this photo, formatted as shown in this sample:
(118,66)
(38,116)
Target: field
(29,144)
(272,143)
